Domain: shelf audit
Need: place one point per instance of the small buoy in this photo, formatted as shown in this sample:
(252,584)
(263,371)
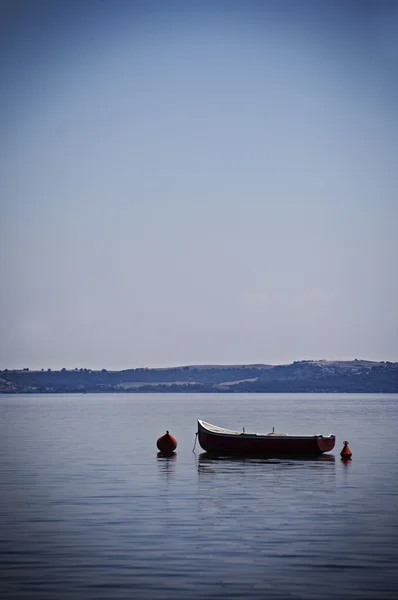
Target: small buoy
(166,444)
(346,453)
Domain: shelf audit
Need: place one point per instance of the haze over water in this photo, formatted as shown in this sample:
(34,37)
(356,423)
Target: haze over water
(88,511)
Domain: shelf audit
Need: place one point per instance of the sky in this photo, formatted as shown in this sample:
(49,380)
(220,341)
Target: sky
(197,182)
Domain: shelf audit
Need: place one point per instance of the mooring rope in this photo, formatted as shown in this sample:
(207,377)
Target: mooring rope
(196,437)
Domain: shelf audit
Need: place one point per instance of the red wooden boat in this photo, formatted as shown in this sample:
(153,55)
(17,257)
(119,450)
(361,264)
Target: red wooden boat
(219,441)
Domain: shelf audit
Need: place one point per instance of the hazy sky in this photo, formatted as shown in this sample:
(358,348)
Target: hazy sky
(198,182)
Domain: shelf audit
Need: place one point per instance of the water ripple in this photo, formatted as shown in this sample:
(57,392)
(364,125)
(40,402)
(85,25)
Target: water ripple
(89,510)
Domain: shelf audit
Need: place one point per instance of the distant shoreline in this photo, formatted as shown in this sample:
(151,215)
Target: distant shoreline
(306,376)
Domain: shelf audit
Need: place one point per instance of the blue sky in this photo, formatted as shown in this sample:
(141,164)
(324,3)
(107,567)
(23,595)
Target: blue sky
(198,182)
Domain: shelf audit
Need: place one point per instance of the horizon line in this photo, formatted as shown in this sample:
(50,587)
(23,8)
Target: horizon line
(201,365)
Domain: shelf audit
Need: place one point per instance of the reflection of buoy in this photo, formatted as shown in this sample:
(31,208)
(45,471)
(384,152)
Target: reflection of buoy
(346,452)
(166,444)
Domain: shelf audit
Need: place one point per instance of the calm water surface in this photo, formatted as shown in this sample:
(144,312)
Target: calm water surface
(88,510)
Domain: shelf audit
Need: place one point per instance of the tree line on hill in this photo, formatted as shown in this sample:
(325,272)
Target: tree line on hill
(300,376)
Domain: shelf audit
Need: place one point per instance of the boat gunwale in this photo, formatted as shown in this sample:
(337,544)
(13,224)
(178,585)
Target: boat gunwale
(251,435)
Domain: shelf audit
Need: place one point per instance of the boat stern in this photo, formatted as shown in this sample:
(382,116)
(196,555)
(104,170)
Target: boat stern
(325,444)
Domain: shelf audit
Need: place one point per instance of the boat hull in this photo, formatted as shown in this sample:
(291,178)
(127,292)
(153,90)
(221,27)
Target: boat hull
(265,445)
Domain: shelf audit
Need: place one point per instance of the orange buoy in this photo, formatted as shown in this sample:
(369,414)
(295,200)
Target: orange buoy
(166,444)
(346,452)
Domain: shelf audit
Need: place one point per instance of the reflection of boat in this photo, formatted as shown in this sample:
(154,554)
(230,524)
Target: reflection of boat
(219,441)
(207,458)
(245,465)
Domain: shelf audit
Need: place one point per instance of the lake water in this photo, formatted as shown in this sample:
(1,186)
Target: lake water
(89,511)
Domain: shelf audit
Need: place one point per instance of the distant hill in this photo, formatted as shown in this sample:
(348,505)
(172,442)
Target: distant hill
(300,376)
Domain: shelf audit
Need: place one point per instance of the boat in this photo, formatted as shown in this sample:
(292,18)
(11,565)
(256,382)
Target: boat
(221,442)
